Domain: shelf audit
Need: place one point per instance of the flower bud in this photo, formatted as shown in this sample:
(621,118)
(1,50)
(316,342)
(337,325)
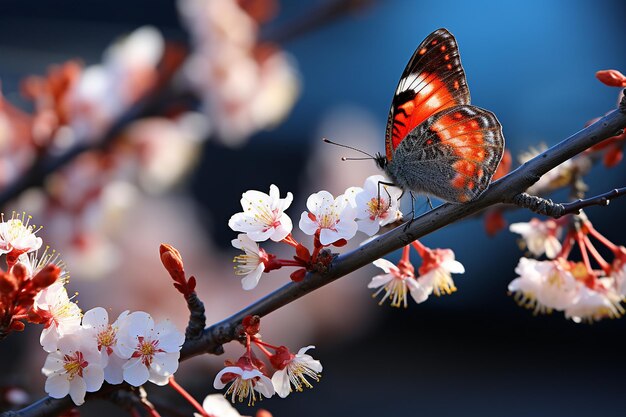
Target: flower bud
(47,276)
(251,325)
(8,283)
(612,78)
(172,261)
(20,272)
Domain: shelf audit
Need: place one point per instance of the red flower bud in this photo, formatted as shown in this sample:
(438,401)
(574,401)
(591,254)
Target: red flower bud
(172,261)
(20,272)
(612,157)
(46,277)
(251,325)
(298,275)
(8,283)
(612,78)
(17,326)
(494,222)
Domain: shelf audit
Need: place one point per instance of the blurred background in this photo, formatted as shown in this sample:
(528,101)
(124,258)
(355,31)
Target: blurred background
(330,72)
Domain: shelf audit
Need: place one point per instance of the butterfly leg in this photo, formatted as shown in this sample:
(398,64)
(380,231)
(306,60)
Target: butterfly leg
(430,204)
(387,191)
(412,213)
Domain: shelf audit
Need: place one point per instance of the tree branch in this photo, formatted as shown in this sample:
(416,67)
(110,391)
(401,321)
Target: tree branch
(502,191)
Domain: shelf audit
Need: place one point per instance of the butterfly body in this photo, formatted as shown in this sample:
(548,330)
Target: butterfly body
(436,142)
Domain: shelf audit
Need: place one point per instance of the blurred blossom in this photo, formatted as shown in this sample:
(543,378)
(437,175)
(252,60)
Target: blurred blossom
(560,176)
(162,142)
(104,91)
(245,86)
(540,237)
(16,142)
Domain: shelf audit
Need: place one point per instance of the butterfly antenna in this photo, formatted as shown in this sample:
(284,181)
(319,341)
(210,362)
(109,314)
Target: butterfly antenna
(343,158)
(349,147)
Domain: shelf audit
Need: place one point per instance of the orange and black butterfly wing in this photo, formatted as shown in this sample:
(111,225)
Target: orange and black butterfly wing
(451,155)
(432,81)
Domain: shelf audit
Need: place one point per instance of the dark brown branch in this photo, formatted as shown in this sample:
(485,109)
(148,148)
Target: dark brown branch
(503,191)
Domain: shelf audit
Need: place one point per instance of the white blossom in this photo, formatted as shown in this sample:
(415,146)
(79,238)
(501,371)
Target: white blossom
(377,204)
(152,350)
(295,373)
(74,368)
(332,218)
(263,215)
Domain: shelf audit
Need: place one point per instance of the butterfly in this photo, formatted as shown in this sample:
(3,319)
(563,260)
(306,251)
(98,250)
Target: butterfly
(436,143)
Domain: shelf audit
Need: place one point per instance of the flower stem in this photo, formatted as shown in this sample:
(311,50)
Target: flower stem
(583,251)
(187,396)
(288,262)
(262,348)
(567,245)
(290,240)
(262,343)
(606,242)
(596,255)
(421,249)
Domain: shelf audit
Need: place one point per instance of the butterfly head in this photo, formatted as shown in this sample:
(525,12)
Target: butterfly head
(381,161)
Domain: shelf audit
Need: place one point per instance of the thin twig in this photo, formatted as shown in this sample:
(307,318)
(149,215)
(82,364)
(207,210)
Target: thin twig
(600,200)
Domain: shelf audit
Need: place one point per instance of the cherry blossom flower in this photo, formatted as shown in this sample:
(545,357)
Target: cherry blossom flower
(436,269)
(332,218)
(96,323)
(61,315)
(377,205)
(152,350)
(593,305)
(17,235)
(263,215)
(396,282)
(545,285)
(74,368)
(251,263)
(293,370)
(540,237)
(244,379)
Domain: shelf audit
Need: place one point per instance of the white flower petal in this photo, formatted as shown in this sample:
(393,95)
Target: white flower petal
(217,405)
(57,386)
(97,318)
(217,383)
(78,390)
(94,377)
(170,339)
(307,225)
(113,373)
(380,280)
(251,280)
(385,265)
(135,372)
(264,386)
(280,381)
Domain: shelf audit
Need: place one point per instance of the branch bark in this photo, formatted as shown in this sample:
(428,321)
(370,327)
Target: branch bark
(502,191)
